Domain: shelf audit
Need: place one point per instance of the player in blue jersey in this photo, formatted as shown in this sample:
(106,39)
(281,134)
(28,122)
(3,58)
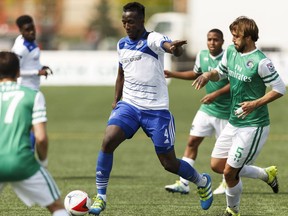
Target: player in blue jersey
(28,53)
(249,72)
(142,87)
(21,109)
(214,111)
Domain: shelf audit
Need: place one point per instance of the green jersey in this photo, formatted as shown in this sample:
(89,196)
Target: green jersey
(248,74)
(220,107)
(20,108)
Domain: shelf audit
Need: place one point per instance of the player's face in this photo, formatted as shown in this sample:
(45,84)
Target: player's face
(239,41)
(133,24)
(214,43)
(28,32)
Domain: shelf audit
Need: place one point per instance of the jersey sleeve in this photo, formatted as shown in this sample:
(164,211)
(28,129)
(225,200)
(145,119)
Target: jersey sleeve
(156,40)
(39,109)
(21,51)
(222,67)
(270,77)
(197,66)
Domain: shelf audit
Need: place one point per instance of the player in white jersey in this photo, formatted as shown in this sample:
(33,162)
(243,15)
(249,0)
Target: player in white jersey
(28,53)
(249,72)
(21,109)
(142,87)
(214,111)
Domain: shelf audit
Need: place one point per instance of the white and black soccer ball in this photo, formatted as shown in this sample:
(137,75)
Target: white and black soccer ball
(77,203)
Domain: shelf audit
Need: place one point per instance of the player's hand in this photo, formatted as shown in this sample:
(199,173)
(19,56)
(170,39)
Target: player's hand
(209,98)
(45,71)
(167,73)
(177,43)
(200,81)
(245,109)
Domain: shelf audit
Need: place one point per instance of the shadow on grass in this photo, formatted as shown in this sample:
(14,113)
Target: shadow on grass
(93,177)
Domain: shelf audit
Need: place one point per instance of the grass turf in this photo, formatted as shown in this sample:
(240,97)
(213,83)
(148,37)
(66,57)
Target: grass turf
(77,119)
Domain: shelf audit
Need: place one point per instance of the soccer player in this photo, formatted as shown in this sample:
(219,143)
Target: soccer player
(214,112)
(249,72)
(145,103)
(28,53)
(21,109)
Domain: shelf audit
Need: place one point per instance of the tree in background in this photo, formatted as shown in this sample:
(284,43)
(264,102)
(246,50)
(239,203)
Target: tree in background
(152,7)
(101,32)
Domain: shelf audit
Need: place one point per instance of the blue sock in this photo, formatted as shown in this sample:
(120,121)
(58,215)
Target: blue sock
(32,140)
(186,171)
(103,170)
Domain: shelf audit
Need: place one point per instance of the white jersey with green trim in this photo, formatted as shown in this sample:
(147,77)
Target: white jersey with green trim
(249,75)
(29,56)
(20,108)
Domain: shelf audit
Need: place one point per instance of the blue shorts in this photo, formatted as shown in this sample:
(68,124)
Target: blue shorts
(157,124)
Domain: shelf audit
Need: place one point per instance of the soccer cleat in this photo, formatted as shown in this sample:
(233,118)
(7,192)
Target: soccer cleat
(221,188)
(230,212)
(272,178)
(178,187)
(98,206)
(205,193)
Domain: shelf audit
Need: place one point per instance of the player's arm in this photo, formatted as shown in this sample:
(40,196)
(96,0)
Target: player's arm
(175,47)
(44,71)
(118,86)
(39,120)
(271,78)
(41,139)
(209,98)
(186,75)
(205,77)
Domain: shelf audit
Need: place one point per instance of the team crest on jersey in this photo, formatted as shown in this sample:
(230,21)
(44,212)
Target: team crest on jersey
(139,44)
(249,64)
(270,67)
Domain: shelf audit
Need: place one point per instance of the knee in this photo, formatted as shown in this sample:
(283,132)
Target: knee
(217,165)
(229,175)
(194,142)
(216,169)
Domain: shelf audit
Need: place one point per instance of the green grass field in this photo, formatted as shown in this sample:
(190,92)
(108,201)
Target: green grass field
(77,119)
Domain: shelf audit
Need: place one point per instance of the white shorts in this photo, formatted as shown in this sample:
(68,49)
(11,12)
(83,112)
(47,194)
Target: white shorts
(204,125)
(38,189)
(240,145)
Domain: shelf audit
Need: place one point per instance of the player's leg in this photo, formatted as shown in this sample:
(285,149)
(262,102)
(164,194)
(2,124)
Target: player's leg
(184,170)
(247,144)
(200,128)
(219,125)
(219,165)
(190,154)
(268,174)
(122,125)
(49,197)
(161,129)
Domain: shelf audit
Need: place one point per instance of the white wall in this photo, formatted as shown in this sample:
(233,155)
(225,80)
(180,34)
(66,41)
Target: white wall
(83,67)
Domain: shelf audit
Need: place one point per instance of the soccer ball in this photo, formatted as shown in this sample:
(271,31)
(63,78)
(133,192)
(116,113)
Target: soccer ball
(77,202)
